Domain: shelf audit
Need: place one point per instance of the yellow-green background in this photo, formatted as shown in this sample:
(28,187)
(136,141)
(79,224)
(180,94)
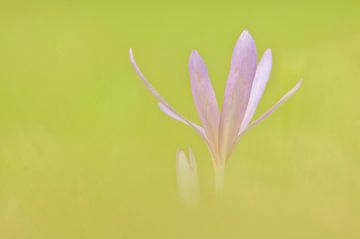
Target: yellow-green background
(85,152)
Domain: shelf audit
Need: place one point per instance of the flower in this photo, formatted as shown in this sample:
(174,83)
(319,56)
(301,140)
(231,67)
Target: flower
(245,85)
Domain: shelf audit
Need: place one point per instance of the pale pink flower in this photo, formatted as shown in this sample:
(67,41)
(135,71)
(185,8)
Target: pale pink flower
(245,85)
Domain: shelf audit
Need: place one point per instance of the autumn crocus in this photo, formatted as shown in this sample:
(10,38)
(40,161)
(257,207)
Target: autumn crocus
(221,130)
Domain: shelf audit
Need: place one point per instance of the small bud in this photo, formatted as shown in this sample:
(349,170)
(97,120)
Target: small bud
(186,173)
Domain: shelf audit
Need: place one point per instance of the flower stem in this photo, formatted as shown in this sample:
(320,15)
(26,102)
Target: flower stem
(219,179)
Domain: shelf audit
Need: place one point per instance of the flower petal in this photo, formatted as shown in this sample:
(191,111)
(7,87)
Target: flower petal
(164,103)
(237,92)
(204,98)
(274,107)
(171,114)
(260,80)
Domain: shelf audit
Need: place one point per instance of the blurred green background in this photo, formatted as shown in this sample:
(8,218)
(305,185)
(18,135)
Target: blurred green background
(85,152)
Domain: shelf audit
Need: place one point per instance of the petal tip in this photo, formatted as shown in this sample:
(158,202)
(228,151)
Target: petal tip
(245,31)
(245,42)
(179,153)
(131,55)
(298,84)
(196,61)
(245,35)
(268,51)
(268,56)
(194,55)
(179,150)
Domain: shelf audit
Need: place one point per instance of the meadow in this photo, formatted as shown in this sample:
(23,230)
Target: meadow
(86,153)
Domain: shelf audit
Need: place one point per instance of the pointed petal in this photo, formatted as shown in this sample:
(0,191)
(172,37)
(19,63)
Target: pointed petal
(164,103)
(237,93)
(147,83)
(187,180)
(204,97)
(260,80)
(171,114)
(274,107)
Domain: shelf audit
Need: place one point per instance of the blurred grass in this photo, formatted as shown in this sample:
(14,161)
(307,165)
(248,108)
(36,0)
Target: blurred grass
(85,153)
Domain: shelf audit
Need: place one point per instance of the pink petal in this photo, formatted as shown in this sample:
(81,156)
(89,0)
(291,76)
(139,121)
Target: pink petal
(237,93)
(165,106)
(171,114)
(204,98)
(261,78)
(274,107)
(199,129)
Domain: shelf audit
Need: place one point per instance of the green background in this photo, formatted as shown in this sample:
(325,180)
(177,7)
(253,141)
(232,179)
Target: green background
(86,153)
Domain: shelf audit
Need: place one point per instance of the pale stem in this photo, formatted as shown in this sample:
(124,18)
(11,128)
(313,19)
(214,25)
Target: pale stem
(219,179)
